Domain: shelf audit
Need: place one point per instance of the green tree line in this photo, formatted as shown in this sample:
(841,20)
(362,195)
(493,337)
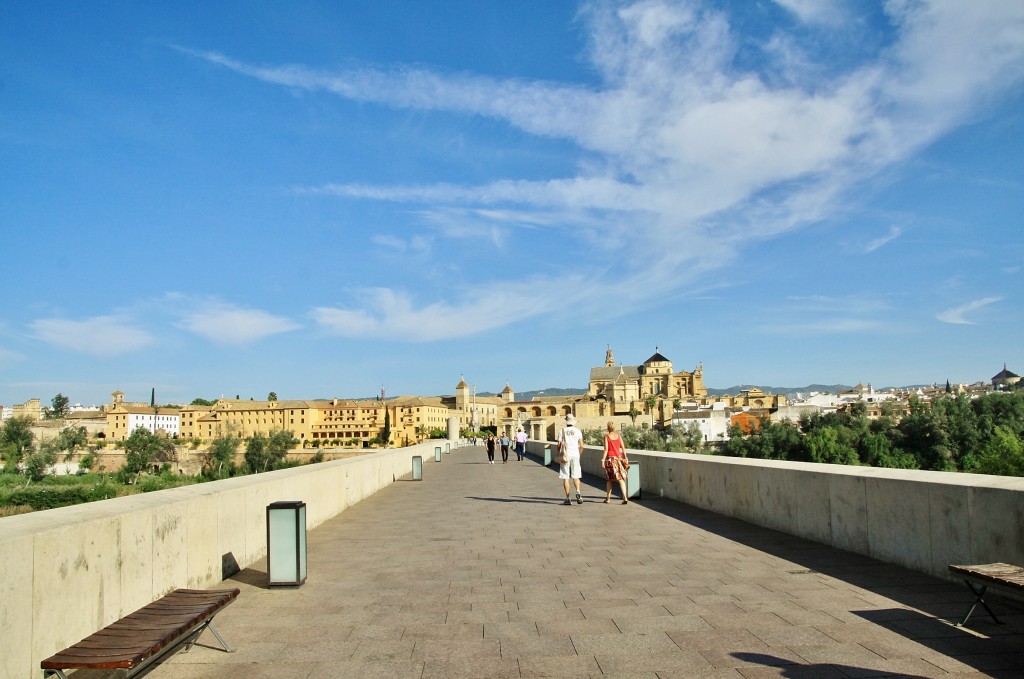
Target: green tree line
(27,480)
(983,435)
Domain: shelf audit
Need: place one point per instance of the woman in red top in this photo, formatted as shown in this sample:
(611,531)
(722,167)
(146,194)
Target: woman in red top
(613,461)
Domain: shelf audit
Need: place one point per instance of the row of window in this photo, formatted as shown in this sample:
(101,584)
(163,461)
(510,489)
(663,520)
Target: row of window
(346,435)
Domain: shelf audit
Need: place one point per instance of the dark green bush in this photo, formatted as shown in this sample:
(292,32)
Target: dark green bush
(50,496)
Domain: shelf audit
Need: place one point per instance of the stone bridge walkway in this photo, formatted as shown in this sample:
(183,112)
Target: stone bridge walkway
(479,570)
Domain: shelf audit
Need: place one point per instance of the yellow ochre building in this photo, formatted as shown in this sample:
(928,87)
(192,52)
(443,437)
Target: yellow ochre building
(645,395)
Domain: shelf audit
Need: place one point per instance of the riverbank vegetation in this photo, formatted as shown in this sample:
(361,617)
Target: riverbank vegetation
(983,435)
(28,484)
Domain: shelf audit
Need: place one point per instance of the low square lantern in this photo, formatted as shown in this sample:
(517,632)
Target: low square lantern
(417,467)
(286,542)
(633,490)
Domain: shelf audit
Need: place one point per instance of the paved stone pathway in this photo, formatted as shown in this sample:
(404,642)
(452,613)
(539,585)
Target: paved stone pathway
(479,570)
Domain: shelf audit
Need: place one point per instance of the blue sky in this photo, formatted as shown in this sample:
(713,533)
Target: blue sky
(321,198)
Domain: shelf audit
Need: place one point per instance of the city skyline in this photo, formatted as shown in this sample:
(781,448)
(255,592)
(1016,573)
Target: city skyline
(489,392)
(318,200)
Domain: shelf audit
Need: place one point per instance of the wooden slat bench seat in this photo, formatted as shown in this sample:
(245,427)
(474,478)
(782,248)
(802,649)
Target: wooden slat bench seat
(137,642)
(1004,578)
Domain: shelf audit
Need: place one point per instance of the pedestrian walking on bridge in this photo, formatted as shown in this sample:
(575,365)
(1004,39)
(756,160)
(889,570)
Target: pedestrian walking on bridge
(615,464)
(520,444)
(490,448)
(570,446)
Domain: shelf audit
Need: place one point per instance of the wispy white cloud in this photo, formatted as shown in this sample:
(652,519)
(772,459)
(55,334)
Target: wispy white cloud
(681,145)
(816,11)
(825,326)
(957,315)
(894,233)
(101,336)
(9,358)
(848,304)
(387,313)
(814,315)
(227,324)
(416,244)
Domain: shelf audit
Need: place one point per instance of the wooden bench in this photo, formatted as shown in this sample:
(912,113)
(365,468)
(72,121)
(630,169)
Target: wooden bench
(138,642)
(1004,578)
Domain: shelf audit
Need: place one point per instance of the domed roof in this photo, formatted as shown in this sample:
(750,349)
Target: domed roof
(1005,374)
(657,358)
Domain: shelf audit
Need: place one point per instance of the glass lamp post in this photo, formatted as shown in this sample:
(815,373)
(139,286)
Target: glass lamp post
(286,542)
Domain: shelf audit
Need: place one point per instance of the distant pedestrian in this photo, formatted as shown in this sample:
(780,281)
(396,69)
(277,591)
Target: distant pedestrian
(615,464)
(505,442)
(520,444)
(490,448)
(570,446)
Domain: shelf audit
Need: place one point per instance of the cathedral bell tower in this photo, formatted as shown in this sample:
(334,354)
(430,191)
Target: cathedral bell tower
(462,395)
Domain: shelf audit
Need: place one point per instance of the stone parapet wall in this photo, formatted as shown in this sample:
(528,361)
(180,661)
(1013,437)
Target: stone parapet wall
(65,573)
(921,520)
(190,459)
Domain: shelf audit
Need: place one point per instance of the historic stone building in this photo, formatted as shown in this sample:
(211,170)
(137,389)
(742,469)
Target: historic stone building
(1005,379)
(476,412)
(646,395)
(322,423)
(621,386)
(620,393)
(123,418)
(31,409)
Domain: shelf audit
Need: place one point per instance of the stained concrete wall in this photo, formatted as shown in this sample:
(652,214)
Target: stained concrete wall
(917,519)
(65,573)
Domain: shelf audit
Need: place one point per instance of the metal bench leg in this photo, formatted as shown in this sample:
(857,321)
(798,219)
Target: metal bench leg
(191,639)
(54,673)
(979,595)
(225,644)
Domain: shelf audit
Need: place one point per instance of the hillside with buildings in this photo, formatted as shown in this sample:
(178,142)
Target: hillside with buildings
(651,394)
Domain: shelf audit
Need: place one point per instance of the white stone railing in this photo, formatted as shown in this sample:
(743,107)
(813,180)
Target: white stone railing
(65,573)
(922,520)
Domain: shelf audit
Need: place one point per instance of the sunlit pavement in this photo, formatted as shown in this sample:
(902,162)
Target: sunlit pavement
(480,570)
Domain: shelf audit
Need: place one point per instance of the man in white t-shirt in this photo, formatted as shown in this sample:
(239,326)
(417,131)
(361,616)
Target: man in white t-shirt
(570,445)
(520,444)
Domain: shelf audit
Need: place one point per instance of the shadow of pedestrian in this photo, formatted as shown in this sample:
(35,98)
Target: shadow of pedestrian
(519,498)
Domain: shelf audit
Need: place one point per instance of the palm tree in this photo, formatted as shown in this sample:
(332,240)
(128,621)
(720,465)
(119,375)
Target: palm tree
(651,401)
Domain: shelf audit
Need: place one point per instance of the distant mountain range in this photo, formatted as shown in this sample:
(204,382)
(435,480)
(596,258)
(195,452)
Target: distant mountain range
(789,392)
(792,391)
(550,391)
